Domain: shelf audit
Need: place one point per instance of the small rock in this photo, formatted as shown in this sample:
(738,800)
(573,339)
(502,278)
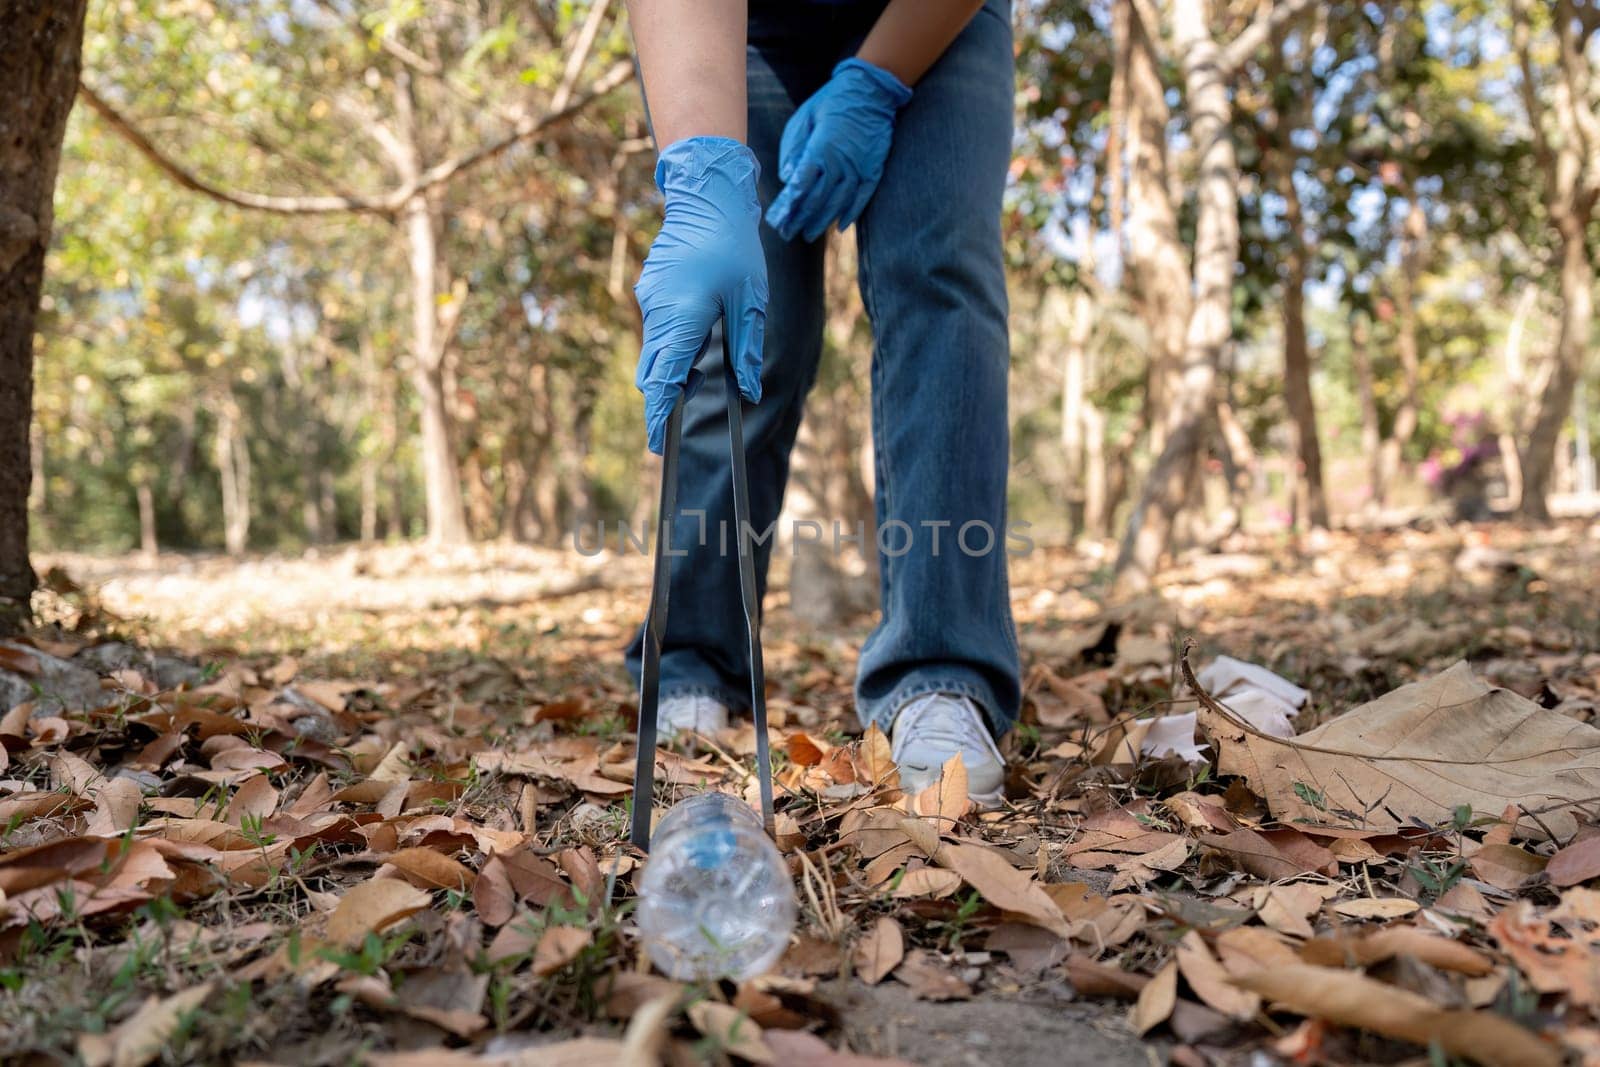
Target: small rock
(316,726)
(62,685)
(112,656)
(149,784)
(169,672)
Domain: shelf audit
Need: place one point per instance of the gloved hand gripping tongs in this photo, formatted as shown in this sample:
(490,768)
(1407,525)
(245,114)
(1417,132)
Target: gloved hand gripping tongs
(655,626)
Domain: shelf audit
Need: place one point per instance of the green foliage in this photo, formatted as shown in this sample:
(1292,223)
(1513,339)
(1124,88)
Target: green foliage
(188,343)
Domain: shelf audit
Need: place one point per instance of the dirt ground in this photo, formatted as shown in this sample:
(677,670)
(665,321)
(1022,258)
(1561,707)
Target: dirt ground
(1348,615)
(888,1020)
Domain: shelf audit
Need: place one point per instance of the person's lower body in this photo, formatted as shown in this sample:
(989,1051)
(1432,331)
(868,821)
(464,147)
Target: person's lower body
(933,281)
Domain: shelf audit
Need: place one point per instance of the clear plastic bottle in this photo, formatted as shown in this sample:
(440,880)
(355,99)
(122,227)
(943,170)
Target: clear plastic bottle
(715,898)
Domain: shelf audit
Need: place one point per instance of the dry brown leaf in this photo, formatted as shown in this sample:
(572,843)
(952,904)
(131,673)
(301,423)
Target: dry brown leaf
(1199,812)
(1576,863)
(1244,949)
(1091,979)
(247,758)
(1464,901)
(331,695)
(730,1028)
(561,711)
(583,869)
(1030,948)
(926,882)
(946,800)
(804,751)
(630,990)
(1137,870)
(492,894)
(1351,999)
(1377,908)
(1002,885)
(559,946)
(1076,900)
(20,807)
(255,798)
(18,660)
(70,771)
(395,766)
(1288,908)
(116,807)
(1156,1000)
(879,951)
(875,761)
(449,999)
(1419,752)
(40,865)
(430,869)
(1380,945)
(518,938)
(1210,981)
(929,978)
(372,906)
(1060,702)
(536,879)
(923,833)
(1557,949)
(144,1035)
(1506,866)
(812,956)
(1255,853)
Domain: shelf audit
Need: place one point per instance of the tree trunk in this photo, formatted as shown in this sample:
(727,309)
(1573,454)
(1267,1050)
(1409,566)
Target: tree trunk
(1572,341)
(441,476)
(1563,123)
(1407,347)
(424,227)
(1074,408)
(395,525)
(1096,480)
(1239,458)
(1516,391)
(369,462)
(1583,450)
(149,543)
(1210,325)
(1297,370)
(1158,273)
(43,42)
(1371,432)
(233,466)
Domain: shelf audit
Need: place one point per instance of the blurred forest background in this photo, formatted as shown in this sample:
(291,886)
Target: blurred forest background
(327,270)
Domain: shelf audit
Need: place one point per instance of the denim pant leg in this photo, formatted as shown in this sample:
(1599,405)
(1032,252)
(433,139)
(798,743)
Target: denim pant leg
(932,275)
(705,646)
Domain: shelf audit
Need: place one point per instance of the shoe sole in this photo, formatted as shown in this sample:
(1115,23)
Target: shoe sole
(988,801)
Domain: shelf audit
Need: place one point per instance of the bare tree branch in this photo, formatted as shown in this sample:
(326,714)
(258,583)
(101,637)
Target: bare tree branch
(580,53)
(1242,47)
(387,203)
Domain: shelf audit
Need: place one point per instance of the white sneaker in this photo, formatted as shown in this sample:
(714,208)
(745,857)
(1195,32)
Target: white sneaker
(690,712)
(929,729)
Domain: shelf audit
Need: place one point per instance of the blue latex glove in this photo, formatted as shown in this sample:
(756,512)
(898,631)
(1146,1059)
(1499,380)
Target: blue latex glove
(833,149)
(706,263)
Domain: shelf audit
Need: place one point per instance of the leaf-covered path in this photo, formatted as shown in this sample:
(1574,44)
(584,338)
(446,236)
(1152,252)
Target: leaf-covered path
(370,806)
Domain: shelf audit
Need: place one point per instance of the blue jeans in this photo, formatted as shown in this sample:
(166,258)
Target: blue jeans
(932,278)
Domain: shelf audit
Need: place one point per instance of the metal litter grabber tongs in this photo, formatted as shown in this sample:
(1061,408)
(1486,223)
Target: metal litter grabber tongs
(655,626)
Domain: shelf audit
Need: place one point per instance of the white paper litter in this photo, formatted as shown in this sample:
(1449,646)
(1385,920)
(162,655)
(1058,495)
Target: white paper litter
(1255,694)
(1173,735)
